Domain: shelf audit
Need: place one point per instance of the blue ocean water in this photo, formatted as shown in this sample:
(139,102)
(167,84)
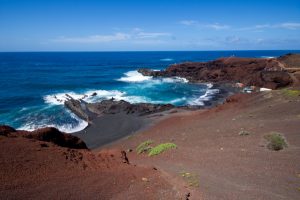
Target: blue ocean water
(33,85)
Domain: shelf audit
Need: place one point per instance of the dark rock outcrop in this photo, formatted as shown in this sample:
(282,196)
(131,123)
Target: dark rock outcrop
(5,130)
(91,110)
(250,71)
(50,134)
(55,136)
(79,107)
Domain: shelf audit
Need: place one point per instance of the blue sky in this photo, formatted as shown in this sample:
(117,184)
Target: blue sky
(132,25)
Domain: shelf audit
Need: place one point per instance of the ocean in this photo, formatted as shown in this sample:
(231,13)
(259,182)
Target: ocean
(33,84)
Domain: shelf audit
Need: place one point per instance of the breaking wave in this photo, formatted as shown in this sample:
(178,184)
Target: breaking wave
(77,125)
(135,76)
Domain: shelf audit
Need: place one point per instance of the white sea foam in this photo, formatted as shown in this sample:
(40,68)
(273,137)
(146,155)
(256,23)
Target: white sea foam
(174,101)
(60,98)
(269,57)
(174,80)
(209,85)
(134,76)
(67,128)
(166,59)
(209,94)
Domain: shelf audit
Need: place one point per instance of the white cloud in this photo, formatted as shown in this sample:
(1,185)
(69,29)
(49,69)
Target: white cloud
(188,22)
(217,26)
(137,29)
(233,39)
(95,38)
(287,25)
(292,26)
(143,35)
(135,35)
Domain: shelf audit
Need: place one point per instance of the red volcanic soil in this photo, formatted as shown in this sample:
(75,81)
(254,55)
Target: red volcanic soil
(222,164)
(35,169)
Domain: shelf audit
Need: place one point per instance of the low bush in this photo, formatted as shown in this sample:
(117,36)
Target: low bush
(291,93)
(144,147)
(276,141)
(161,148)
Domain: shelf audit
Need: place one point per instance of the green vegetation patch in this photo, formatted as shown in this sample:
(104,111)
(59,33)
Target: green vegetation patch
(190,178)
(291,93)
(161,148)
(276,141)
(244,133)
(144,147)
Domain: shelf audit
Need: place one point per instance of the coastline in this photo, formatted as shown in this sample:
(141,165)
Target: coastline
(109,128)
(221,152)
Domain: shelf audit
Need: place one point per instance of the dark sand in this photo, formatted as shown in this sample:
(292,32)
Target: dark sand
(109,128)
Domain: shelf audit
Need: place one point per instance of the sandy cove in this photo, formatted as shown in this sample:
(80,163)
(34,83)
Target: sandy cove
(228,165)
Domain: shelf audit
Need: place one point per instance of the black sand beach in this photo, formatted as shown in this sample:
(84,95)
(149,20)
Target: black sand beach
(109,128)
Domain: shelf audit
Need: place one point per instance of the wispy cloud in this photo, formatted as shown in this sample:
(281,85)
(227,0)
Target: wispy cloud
(94,38)
(135,34)
(258,27)
(215,26)
(286,25)
(291,26)
(188,22)
(152,35)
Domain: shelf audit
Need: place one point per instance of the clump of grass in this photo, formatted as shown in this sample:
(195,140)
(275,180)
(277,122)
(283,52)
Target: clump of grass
(161,148)
(192,179)
(244,133)
(291,93)
(276,141)
(144,147)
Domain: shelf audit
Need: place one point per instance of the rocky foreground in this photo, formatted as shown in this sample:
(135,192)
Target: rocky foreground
(48,164)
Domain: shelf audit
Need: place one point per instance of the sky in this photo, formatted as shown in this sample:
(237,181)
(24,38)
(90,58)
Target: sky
(149,25)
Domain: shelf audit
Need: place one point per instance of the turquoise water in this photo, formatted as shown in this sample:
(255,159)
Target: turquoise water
(33,85)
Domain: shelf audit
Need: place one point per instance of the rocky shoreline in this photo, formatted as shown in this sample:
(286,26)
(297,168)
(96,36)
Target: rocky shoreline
(110,120)
(259,72)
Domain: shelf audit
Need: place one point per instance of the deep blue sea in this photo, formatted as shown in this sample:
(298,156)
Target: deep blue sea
(33,85)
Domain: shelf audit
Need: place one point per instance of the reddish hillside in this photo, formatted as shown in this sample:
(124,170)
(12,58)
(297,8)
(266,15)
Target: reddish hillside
(32,168)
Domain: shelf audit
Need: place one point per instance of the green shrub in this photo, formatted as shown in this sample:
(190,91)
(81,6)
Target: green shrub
(161,148)
(244,133)
(144,147)
(192,179)
(276,141)
(291,93)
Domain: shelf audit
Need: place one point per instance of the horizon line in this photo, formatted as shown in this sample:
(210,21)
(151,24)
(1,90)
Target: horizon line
(120,51)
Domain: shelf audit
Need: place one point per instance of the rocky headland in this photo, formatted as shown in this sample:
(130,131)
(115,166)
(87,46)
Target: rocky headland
(259,72)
